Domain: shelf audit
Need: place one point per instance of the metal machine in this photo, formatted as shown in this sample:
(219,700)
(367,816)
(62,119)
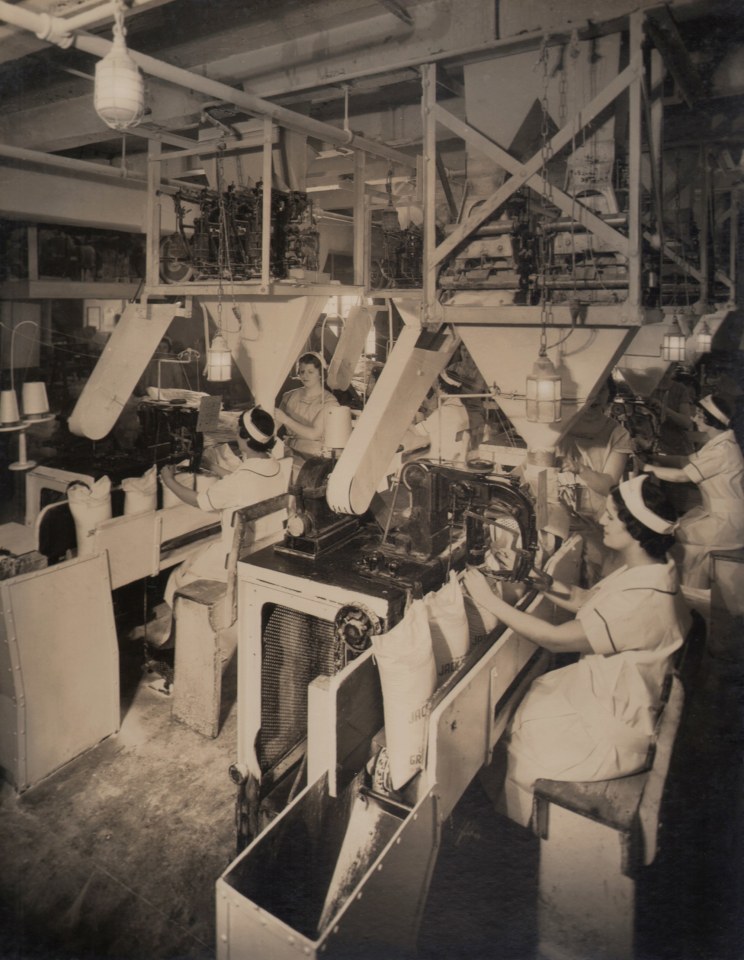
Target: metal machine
(552,255)
(224,237)
(310,604)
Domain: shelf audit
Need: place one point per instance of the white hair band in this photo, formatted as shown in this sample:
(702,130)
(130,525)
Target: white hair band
(252,430)
(631,493)
(707,403)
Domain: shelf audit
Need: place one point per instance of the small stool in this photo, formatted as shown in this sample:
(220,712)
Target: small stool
(594,840)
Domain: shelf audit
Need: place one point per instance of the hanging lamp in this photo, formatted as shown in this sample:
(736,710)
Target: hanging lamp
(543,387)
(544,391)
(219,360)
(704,340)
(673,343)
(119,91)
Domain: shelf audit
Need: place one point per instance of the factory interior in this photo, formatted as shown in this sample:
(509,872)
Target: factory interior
(371,480)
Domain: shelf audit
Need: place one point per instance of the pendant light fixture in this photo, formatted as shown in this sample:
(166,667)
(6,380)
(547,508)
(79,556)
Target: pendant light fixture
(543,387)
(119,92)
(219,360)
(674,342)
(704,340)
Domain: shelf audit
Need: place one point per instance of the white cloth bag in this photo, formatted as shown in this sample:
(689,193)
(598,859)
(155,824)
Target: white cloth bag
(89,505)
(448,622)
(141,493)
(408,675)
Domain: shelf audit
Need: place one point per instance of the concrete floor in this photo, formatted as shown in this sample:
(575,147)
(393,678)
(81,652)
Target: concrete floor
(116,854)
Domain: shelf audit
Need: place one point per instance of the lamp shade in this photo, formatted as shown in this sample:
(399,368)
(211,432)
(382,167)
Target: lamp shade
(219,360)
(9,416)
(119,91)
(35,402)
(673,344)
(544,392)
(704,339)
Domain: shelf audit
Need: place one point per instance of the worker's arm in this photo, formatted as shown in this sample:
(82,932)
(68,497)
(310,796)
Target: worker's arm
(313,431)
(602,481)
(670,474)
(182,492)
(566,597)
(560,638)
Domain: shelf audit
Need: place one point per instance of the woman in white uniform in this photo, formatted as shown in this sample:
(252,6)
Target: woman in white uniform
(446,431)
(259,476)
(594,719)
(718,470)
(302,411)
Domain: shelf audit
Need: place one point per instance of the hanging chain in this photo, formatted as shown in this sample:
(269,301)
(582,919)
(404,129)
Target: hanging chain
(574,51)
(547,193)
(119,29)
(678,222)
(546,151)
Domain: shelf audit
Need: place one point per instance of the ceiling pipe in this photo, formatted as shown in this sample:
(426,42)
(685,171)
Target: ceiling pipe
(71,165)
(102,14)
(54,28)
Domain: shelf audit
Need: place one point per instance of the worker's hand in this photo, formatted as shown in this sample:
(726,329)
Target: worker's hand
(477,588)
(280,418)
(166,474)
(648,468)
(571,465)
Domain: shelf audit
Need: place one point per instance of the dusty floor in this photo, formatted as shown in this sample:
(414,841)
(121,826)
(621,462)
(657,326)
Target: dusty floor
(116,855)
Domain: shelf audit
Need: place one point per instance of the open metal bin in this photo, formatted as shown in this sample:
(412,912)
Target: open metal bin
(344,872)
(342,876)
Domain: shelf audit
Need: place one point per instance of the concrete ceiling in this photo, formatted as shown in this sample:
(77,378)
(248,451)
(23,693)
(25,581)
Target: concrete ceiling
(343,62)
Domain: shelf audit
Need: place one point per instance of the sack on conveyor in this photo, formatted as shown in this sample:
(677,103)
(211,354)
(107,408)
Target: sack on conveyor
(448,622)
(89,506)
(480,621)
(408,675)
(141,493)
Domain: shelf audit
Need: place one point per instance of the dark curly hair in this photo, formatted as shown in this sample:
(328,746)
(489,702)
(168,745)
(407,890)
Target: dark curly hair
(655,544)
(264,422)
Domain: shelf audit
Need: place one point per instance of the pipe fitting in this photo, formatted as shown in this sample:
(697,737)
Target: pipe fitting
(54,30)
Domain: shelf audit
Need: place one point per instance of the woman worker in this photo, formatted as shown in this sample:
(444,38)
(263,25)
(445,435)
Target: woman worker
(596,449)
(594,719)
(445,433)
(718,470)
(302,411)
(259,476)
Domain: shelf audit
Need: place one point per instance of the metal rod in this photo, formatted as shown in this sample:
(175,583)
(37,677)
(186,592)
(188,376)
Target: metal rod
(99,47)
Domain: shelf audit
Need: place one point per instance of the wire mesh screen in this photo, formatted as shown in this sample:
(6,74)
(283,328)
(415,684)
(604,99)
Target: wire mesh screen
(296,648)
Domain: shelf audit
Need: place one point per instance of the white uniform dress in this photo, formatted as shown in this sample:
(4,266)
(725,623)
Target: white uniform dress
(594,720)
(448,431)
(254,480)
(718,523)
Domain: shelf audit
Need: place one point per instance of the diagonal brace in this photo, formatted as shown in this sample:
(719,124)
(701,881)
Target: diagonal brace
(527,173)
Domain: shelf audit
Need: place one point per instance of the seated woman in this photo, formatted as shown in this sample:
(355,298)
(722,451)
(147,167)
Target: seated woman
(596,449)
(258,477)
(718,470)
(302,411)
(594,719)
(445,433)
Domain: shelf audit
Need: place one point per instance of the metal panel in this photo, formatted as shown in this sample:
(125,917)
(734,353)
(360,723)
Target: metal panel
(65,666)
(133,546)
(726,636)
(332,878)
